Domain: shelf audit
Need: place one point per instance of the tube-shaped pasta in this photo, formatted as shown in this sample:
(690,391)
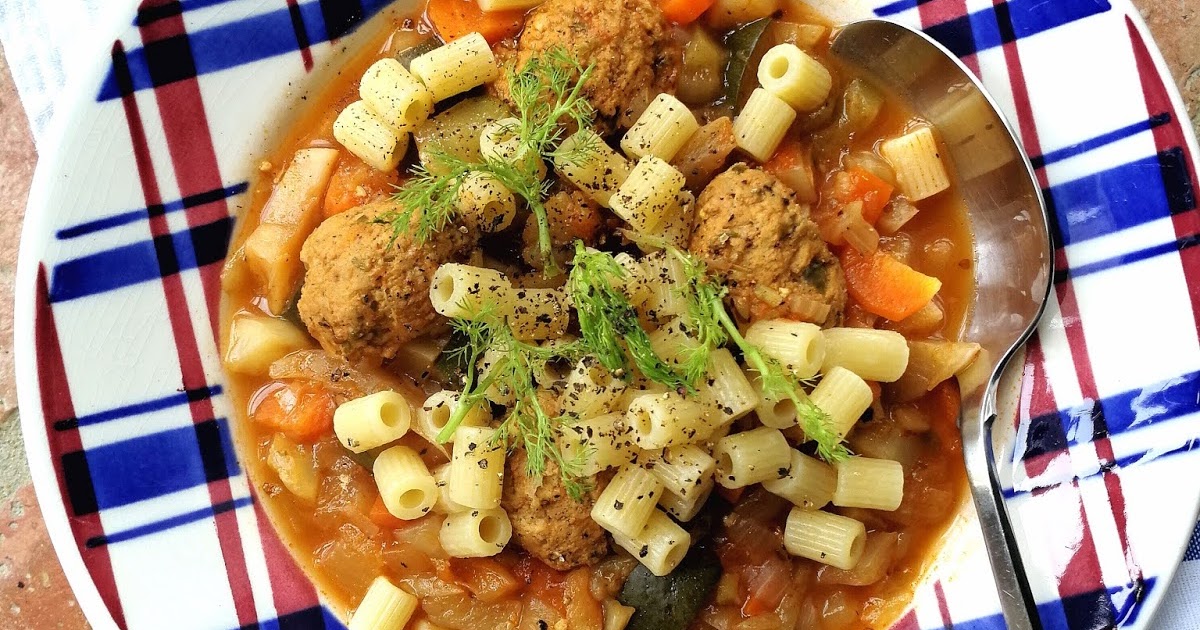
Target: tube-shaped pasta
(844,397)
(659,420)
(498,393)
(661,130)
(501,142)
(485,203)
(372,421)
(384,607)
(633,284)
(406,486)
(598,443)
(538,313)
(444,504)
(876,484)
(683,469)
(649,194)
(462,291)
(257,341)
(794,76)
(726,392)
(763,123)
(586,161)
(477,468)
(433,416)
(809,484)
(772,410)
(687,509)
(398,98)
(660,546)
(664,274)
(798,346)
(874,355)
(752,457)
(370,139)
(917,160)
(628,501)
(827,538)
(590,390)
(461,65)
(672,343)
(475,533)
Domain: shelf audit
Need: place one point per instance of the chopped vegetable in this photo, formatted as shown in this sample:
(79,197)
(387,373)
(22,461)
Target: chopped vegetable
(454,18)
(380,515)
(945,405)
(792,164)
(354,183)
(700,78)
(486,579)
(684,11)
(885,286)
(301,411)
(744,53)
(671,602)
(872,191)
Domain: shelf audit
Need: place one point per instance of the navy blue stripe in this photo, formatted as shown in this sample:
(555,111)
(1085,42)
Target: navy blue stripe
(1005,22)
(1099,141)
(150,14)
(1108,201)
(316,618)
(900,6)
(1141,457)
(166,524)
(157,404)
(141,214)
(239,43)
(1187,242)
(1119,605)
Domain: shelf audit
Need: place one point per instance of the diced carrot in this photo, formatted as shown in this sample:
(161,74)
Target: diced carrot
(944,404)
(355,183)
(685,11)
(486,578)
(876,390)
(732,495)
(885,286)
(454,18)
(542,581)
(303,412)
(765,586)
(380,515)
(873,192)
(582,609)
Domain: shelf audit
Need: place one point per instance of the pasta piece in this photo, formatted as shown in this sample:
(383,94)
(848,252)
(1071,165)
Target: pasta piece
(809,484)
(501,142)
(461,65)
(367,137)
(633,284)
(752,457)
(686,509)
(590,390)
(463,291)
(874,355)
(444,504)
(598,444)
(257,341)
(586,161)
(372,421)
(661,130)
(664,275)
(823,537)
(763,123)
(876,484)
(659,420)
(726,393)
(792,75)
(384,607)
(406,486)
(844,397)
(475,533)
(433,416)
(774,411)
(498,393)
(682,470)
(918,163)
(660,546)
(477,468)
(798,346)
(395,96)
(676,229)
(538,313)
(648,195)
(485,203)
(628,501)
(672,343)
(505,5)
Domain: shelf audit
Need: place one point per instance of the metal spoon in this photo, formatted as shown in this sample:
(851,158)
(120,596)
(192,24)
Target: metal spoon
(1013,250)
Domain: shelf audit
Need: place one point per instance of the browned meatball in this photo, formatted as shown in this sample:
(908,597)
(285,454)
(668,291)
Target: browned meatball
(364,295)
(750,229)
(629,42)
(548,523)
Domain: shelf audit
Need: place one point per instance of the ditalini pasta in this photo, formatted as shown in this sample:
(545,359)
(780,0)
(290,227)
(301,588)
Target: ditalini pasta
(598,443)
(590,390)
(660,546)
(501,142)
(659,420)
(874,355)
(792,75)
(475,533)
(876,484)
(444,504)
(663,274)
(772,410)
(844,397)
(827,538)
(763,123)
(686,509)
(918,163)
(485,203)
(682,470)
(461,65)
(752,457)
(398,98)
(435,413)
(628,501)
(586,161)
(661,130)
(370,139)
(463,291)
(477,468)
(384,607)
(406,486)
(809,484)
(798,346)
(257,341)
(538,313)
(372,421)
(649,194)
(726,393)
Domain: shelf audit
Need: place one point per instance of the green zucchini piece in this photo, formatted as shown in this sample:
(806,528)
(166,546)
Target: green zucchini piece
(674,601)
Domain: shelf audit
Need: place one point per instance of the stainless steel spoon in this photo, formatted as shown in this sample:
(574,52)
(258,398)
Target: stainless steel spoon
(1013,250)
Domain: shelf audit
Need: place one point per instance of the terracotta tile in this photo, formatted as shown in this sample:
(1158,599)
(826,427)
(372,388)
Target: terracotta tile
(1174,24)
(33,589)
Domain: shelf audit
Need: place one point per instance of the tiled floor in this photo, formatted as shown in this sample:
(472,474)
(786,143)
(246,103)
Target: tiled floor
(33,592)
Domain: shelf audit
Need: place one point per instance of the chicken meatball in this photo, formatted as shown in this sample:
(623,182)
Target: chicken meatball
(365,295)
(628,41)
(750,229)
(548,523)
